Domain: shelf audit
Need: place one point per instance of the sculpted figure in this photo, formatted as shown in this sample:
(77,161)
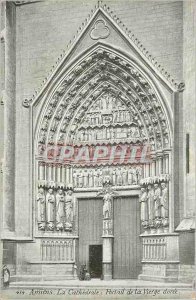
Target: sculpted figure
(90,178)
(95,178)
(134,175)
(80,179)
(114,176)
(85,178)
(75,177)
(107,206)
(51,138)
(157,195)
(45,124)
(144,208)
(41,214)
(150,205)
(69,210)
(60,212)
(119,176)
(157,205)
(54,125)
(138,173)
(42,137)
(50,207)
(164,203)
(124,176)
(100,178)
(130,179)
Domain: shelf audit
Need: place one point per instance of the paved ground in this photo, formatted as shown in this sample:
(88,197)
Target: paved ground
(100,283)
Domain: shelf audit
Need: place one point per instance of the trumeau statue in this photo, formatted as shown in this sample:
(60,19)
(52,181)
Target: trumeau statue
(50,209)
(41,213)
(60,209)
(108,193)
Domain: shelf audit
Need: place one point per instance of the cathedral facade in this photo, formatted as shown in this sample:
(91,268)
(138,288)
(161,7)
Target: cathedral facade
(99,158)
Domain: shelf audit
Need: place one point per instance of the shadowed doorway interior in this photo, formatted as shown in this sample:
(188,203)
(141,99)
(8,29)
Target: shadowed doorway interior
(95,261)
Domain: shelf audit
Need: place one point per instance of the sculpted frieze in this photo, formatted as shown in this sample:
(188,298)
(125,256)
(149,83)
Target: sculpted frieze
(120,176)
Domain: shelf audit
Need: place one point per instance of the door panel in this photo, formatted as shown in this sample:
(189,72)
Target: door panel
(126,248)
(90,227)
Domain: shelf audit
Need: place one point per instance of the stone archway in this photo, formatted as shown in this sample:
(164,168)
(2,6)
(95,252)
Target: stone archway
(103,99)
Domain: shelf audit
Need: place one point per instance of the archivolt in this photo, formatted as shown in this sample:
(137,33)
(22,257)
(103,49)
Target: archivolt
(102,70)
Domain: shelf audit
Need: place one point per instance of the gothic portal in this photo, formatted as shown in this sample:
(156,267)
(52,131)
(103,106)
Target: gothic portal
(102,163)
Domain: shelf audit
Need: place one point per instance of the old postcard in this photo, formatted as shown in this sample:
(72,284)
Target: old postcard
(98,147)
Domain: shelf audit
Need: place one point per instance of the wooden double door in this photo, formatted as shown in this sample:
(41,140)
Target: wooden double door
(126,243)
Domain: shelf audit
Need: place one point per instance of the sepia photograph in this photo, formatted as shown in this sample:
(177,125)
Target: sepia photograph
(97,149)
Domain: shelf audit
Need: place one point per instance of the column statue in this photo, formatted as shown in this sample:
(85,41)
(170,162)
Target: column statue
(60,209)
(150,205)
(41,212)
(50,209)
(144,208)
(69,202)
(164,204)
(157,205)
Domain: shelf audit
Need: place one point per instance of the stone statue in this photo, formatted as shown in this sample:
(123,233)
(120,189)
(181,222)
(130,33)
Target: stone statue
(50,209)
(164,204)
(157,206)
(85,178)
(41,213)
(69,199)
(130,177)
(107,206)
(90,180)
(119,176)
(124,176)
(75,177)
(95,178)
(150,205)
(80,179)
(134,175)
(144,208)
(114,176)
(108,193)
(60,209)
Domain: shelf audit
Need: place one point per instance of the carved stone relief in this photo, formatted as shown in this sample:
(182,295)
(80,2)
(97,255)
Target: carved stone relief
(120,176)
(154,200)
(55,208)
(128,80)
(100,30)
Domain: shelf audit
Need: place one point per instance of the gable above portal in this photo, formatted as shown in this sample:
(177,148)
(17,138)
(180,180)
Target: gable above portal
(105,28)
